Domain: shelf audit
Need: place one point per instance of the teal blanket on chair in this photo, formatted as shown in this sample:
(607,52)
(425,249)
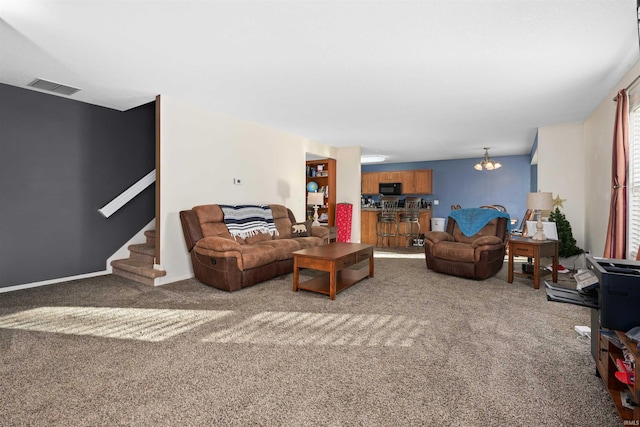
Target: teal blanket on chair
(471,220)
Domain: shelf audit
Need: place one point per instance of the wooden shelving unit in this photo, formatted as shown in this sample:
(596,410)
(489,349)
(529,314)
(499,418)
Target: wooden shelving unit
(608,353)
(325,177)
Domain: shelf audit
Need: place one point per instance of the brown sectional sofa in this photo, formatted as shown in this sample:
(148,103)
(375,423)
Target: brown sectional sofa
(229,264)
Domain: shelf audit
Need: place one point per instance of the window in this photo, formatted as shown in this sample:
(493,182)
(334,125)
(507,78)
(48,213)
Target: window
(633,182)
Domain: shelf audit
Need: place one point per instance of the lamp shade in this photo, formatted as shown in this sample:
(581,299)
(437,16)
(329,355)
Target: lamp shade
(540,201)
(315,199)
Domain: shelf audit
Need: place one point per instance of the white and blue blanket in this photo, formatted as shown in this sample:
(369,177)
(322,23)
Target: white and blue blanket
(248,220)
(472,220)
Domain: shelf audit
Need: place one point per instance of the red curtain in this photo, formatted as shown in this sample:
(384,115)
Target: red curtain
(616,244)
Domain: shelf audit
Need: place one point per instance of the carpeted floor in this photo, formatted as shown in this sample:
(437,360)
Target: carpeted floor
(408,347)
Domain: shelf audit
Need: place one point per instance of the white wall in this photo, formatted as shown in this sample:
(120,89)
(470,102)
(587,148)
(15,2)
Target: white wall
(561,170)
(201,152)
(598,145)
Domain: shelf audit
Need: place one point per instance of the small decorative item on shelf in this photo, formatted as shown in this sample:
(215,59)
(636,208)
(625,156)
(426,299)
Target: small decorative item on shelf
(315,200)
(312,187)
(625,372)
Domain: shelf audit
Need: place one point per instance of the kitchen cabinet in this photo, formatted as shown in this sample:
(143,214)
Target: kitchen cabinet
(407,180)
(425,221)
(422,182)
(368,220)
(413,181)
(393,176)
(370,180)
(370,183)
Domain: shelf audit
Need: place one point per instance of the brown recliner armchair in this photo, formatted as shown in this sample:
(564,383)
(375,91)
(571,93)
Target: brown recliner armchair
(476,257)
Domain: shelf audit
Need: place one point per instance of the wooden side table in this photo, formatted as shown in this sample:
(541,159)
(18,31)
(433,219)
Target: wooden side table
(536,249)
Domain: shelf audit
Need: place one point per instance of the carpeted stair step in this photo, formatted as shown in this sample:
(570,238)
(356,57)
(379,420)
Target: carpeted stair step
(142,251)
(139,265)
(136,269)
(151,237)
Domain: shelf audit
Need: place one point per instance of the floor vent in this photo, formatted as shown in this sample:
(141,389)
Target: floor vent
(53,87)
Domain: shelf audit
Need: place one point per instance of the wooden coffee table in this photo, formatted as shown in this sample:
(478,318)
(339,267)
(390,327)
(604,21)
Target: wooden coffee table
(334,259)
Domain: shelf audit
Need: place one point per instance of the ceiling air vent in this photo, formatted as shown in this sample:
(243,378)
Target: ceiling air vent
(53,87)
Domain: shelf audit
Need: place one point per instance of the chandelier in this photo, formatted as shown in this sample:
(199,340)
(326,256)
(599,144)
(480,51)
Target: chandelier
(487,163)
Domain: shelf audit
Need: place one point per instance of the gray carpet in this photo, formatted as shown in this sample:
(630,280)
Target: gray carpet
(409,347)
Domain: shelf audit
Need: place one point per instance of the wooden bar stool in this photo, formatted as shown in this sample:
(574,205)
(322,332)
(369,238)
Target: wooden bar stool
(387,225)
(409,221)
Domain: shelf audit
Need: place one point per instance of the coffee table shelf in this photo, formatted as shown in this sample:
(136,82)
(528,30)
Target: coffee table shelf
(334,259)
(344,279)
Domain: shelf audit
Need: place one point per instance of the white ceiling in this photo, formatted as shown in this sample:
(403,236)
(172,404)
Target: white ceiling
(412,80)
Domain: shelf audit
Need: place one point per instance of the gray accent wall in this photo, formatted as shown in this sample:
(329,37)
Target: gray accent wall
(60,161)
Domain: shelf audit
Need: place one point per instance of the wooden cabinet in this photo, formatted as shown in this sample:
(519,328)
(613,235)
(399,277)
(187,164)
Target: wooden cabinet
(325,176)
(413,182)
(369,183)
(370,180)
(425,221)
(393,176)
(407,180)
(368,220)
(422,182)
(607,363)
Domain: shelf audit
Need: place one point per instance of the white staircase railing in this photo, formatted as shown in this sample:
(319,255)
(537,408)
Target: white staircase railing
(127,195)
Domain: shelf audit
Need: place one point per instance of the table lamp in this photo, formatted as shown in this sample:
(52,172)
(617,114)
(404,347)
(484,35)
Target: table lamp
(540,201)
(315,199)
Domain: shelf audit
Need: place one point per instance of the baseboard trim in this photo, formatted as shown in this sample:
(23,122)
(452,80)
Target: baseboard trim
(164,280)
(53,281)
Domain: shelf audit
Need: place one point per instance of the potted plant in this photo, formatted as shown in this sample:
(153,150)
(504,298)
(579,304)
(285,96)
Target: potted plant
(569,254)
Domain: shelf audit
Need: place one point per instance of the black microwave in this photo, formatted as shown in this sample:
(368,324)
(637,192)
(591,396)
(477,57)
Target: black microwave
(390,188)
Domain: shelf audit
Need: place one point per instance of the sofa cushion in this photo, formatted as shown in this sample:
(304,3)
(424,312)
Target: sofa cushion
(211,220)
(247,256)
(487,240)
(260,237)
(281,248)
(256,256)
(301,229)
(488,230)
(454,251)
(437,236)
(220,244)
(309,242)
(282,221)
(321,232)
